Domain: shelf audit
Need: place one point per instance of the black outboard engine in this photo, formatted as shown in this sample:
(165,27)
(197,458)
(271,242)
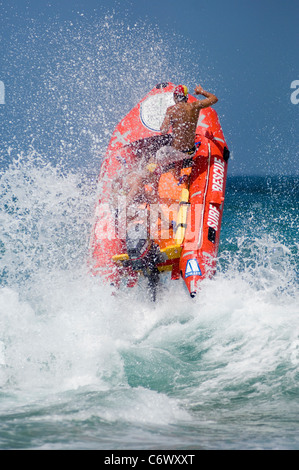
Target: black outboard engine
(137,241)
(143,254)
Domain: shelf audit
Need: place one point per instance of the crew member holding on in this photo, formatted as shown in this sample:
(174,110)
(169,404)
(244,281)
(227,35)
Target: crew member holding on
(182,117)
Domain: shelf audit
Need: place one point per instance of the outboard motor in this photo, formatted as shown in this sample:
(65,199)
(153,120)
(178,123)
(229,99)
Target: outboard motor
(143,254)
(137,241)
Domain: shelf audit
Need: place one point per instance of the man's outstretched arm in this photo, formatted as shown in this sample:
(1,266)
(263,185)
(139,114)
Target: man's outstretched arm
(210,98)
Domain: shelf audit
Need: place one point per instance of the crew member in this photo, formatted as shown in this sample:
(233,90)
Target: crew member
(182,117)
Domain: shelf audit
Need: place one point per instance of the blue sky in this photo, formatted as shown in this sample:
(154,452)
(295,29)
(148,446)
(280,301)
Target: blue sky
(246,52)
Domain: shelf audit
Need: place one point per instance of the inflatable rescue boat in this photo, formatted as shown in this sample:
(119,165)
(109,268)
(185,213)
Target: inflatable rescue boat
(174,224)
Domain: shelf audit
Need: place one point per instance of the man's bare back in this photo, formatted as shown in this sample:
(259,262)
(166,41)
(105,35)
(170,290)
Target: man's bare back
(183,118)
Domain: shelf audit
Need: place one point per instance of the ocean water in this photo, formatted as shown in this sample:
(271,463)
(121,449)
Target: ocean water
(83,369)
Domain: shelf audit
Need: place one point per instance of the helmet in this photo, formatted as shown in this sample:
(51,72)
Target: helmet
(181,93)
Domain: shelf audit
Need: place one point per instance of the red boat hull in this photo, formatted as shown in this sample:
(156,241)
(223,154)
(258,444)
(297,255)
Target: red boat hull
(192,198)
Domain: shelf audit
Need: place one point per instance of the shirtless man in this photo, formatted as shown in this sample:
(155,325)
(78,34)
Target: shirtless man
(183,118)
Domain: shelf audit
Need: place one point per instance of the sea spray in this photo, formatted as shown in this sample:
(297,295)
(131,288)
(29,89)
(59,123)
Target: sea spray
(74,80)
